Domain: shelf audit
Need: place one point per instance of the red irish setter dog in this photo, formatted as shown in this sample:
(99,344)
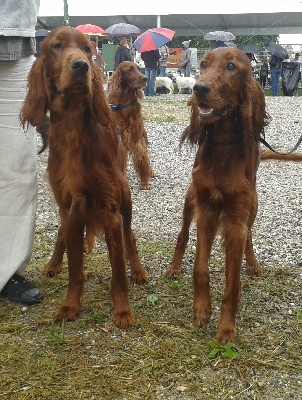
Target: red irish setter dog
(228,116)
(90,189)
(124,95)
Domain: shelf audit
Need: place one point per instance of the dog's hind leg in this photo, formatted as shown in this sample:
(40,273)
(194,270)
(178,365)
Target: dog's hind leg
(54,265)
(252,265)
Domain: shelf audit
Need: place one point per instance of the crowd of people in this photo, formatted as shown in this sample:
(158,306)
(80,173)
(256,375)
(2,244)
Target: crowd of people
(286,71)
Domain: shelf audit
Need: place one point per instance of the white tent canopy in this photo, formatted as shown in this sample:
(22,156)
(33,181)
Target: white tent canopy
(191,19)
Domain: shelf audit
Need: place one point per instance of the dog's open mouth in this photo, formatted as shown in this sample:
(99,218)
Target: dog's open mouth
(205,111)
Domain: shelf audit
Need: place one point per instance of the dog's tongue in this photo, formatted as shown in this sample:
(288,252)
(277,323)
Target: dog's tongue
(205,110)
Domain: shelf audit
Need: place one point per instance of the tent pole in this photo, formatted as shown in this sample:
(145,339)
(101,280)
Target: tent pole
(158,21)
(66,16)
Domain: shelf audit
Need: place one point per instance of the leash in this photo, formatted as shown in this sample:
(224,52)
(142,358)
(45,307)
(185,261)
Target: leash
(263,141)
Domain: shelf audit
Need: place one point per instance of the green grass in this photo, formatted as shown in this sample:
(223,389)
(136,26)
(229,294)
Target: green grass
(163,354)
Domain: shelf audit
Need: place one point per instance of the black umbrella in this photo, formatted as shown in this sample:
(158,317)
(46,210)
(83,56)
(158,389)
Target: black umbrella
(277,50)
(220,36)
(41,33)
(250,48)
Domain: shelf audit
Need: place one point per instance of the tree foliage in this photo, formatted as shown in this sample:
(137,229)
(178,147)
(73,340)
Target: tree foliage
(199,42)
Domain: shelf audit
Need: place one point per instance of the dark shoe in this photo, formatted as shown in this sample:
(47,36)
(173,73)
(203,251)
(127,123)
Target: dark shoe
(20,290)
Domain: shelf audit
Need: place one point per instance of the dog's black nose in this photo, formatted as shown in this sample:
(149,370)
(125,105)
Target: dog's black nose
(145,78)
(79,65)
(201,89)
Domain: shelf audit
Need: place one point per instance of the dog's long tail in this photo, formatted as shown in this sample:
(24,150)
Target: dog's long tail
(270,155)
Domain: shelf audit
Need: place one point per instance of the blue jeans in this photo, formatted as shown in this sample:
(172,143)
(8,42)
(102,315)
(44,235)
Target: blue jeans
(187,71)
(275,75)
(150,88)
(162,71)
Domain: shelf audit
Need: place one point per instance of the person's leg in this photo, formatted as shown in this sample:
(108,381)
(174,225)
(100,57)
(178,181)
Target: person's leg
(273,82)
(188,72)
(278,75)
(162,71)
(18,177)
(147,88)
(152,82)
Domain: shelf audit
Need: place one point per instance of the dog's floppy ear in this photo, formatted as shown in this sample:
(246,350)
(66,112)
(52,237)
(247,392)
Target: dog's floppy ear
(37,99)
(100,107)
(115,86)
(195,132)
(254,117)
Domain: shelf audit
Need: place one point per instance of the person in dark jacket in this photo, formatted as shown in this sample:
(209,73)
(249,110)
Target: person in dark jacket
(263,74)
(122,53)
(150,59)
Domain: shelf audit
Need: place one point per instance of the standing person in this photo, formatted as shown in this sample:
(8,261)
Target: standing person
(297,60)
(290,77)
(162,66)
(18,169)
(162,62)
(97,55)
(185,63)
(150,59)
(122,53)
(140,63)
(276,70)
(263,74)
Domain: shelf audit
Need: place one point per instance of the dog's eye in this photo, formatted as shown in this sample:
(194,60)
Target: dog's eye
(57,45)
(231,66)
(203,64)
(87,49)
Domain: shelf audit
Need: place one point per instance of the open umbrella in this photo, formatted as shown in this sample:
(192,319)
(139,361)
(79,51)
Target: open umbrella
(250,48)
(218,43)
(153,39)
(220,36)
(89,29)
(277,50)
(122,29)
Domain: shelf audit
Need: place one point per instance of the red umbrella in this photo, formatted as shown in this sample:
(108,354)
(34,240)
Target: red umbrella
(89,29)
(153,39)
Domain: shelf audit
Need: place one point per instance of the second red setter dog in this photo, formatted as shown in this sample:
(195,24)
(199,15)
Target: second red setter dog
(90,189)
(228,116)
(125,94)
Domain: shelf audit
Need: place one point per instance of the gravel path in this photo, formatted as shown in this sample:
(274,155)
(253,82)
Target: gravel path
(157,213)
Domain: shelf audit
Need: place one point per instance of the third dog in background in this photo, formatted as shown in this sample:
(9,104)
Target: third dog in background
(185,83)
(164,81)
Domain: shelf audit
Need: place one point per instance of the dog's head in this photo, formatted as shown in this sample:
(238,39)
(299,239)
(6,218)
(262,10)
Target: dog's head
(225,89)
(64,68)
(128,75)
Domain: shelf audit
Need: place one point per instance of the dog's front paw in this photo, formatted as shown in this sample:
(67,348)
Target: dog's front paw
(201,314)
(122,319)
(226,334)
(67,313)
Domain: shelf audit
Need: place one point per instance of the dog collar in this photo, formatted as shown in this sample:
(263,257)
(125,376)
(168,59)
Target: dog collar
(119,107)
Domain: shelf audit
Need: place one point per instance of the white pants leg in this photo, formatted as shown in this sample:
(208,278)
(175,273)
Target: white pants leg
(18,172)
